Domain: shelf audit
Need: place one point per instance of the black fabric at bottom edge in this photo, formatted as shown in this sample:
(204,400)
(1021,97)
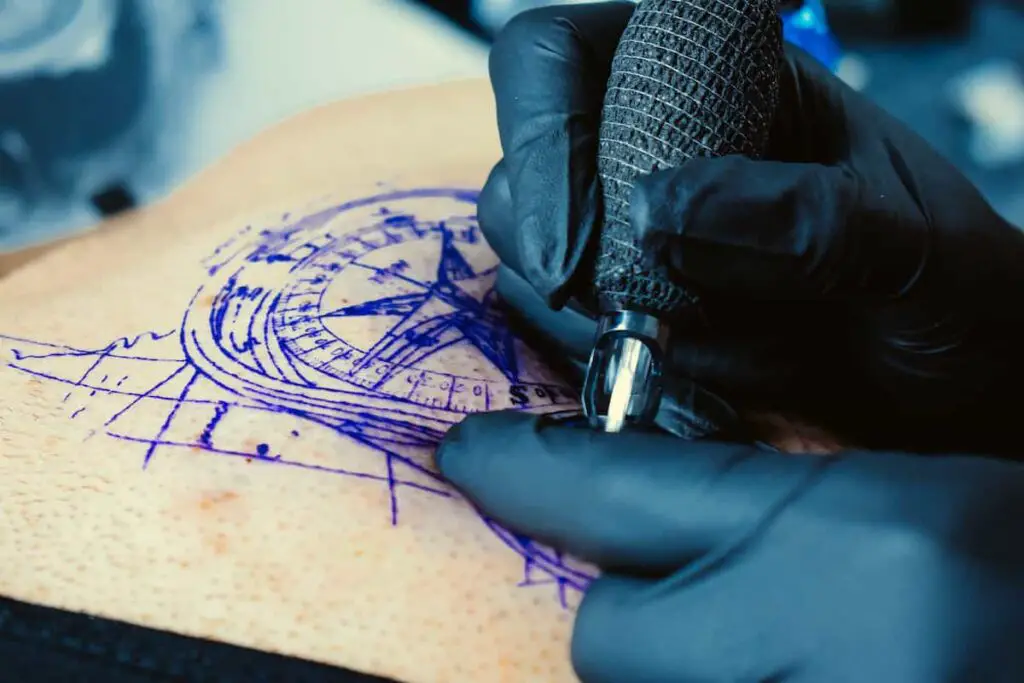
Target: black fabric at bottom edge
(42,644)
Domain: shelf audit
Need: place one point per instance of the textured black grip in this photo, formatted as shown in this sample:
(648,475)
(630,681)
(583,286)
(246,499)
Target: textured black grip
(689,78)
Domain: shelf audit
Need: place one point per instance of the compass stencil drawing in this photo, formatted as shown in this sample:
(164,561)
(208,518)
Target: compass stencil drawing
(415,288)
(374,319)
(409,275)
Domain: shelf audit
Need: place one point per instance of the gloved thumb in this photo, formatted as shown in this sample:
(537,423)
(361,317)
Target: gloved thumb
(772,230)
(635,502)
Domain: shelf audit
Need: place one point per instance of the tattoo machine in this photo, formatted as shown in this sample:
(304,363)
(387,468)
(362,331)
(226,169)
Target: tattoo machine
(689,78)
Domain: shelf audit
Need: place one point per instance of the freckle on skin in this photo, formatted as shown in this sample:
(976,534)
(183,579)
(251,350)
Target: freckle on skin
(211,500)
(220,544)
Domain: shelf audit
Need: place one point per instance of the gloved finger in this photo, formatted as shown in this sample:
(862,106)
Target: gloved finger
(564,337)
(631,501)
(495,214)
(549,68)
(751,354)
(603,648)
(771,230)
(726,627)
(631,629)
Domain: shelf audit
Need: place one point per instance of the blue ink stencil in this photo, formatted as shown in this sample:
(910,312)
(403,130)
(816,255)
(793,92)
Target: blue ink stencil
(277,333)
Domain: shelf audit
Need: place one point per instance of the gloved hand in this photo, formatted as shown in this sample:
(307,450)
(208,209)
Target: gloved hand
(726,563)
(854,273)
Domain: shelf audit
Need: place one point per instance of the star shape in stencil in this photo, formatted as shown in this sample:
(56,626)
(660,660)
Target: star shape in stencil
(442,315)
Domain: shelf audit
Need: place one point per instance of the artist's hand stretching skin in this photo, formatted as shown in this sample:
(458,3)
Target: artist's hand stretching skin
(727,563)
(854,274)
(270,522)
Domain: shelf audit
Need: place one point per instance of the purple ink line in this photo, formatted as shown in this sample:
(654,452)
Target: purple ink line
(101,389)
(272,311)
(127,343)
(218,414)
(389,463)
(249,334)
(170,417)
(146,394)
(18,356)
(415,385)
(353,431)
(302,336)
(388,274)
(268,397)
(281,461)
(320,218)
(92,367)
(381,433)
(266,335)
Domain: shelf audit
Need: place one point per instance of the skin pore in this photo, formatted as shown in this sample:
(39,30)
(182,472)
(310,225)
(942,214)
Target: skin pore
(287,501)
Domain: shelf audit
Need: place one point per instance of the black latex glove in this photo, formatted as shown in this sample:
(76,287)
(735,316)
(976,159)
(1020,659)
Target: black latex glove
(854,270)
(726,563)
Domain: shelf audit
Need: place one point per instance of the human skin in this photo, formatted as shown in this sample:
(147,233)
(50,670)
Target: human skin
(216,536)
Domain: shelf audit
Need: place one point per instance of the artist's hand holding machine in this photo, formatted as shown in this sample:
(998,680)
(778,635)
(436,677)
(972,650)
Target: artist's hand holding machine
(830,263)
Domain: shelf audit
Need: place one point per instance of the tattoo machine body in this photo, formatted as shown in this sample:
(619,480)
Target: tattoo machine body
(689,78)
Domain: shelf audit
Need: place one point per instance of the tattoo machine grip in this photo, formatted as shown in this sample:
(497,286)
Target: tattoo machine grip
(689,78)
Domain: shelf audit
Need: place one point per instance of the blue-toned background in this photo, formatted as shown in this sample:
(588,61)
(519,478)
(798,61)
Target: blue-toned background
(108,103)
(952,69)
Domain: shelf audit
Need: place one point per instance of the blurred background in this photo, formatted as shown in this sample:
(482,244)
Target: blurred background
(108,104)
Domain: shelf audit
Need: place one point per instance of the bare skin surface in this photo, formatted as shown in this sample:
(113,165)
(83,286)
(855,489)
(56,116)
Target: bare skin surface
(294,559)
(268,513)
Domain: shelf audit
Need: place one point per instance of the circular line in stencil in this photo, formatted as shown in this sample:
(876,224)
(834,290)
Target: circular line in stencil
(269,341)
(385,309)
(371,283)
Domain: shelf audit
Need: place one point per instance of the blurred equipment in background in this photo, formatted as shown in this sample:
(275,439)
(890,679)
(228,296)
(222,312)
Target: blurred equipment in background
(804,21)
(491,15)
(859,20)
(109,104)
(105,104)
(78,83)
(990,97)
(905,54)
(53,55)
